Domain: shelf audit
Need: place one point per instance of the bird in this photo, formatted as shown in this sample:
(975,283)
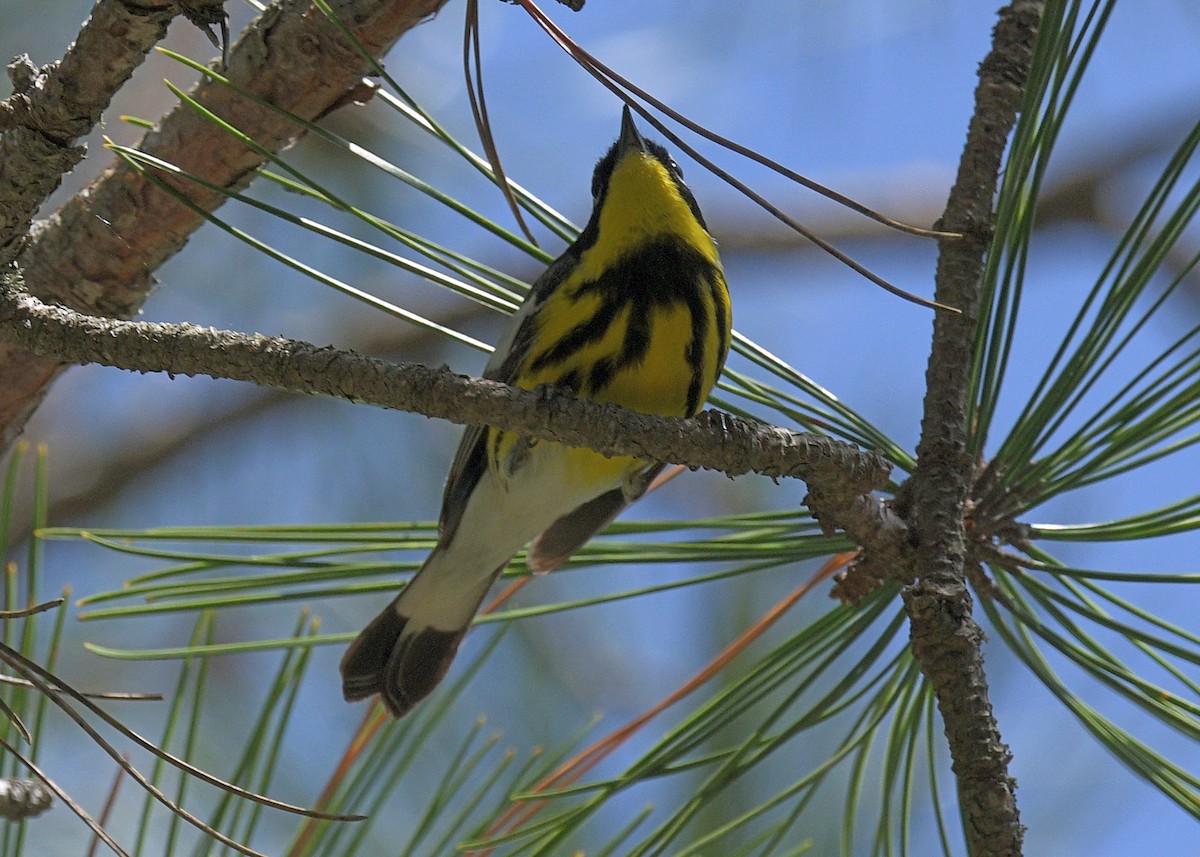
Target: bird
(635,312)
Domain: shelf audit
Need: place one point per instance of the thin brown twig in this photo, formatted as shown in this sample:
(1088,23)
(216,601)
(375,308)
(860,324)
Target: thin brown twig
(126,766)
(610,81)
(120,696)
(43,680)
(111,801)
(32,610)
(473,76)
(586,58)
(15,719)
(66,799)
(17,682)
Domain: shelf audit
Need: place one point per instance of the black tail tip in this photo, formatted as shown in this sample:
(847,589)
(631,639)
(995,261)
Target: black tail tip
(364,663)
(402,668)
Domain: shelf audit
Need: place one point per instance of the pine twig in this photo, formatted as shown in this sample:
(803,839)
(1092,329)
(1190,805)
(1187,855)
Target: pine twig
(51,108)
(99,251)
(945,637)
(836,472)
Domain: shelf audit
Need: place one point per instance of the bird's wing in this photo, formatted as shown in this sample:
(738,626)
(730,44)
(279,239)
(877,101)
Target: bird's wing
(566,535)
(560,540)
(470,461)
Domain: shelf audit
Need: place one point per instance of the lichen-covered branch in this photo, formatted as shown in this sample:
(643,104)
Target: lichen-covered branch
(99,251)
(946,641)
(837,473)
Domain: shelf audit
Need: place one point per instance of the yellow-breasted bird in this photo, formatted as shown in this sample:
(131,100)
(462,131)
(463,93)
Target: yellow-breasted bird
(635,312)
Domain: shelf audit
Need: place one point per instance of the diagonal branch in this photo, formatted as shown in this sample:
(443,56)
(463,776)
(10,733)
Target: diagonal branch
(99,251)
(945,637)
(836,472)
(53,107)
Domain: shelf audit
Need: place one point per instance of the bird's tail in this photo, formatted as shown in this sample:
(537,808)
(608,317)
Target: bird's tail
(406,650)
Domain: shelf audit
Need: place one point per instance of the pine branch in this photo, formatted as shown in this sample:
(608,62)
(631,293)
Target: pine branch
(836,472)
(99,251)
(944,636)
(53,107)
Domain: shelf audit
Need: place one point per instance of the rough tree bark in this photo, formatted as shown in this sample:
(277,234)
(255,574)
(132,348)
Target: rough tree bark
(97,254)
(838,472)
(946,641)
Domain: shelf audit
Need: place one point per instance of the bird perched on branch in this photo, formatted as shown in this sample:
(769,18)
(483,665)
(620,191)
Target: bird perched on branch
(635,312)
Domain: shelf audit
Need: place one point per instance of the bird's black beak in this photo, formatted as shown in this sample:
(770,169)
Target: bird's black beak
(630,139)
